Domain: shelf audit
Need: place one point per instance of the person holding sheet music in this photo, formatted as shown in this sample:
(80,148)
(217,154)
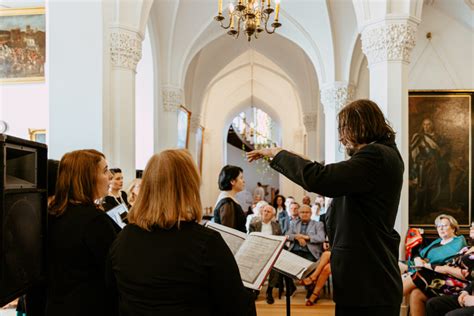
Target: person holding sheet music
(365,192)
(268,226)
(79,237)
(164,262)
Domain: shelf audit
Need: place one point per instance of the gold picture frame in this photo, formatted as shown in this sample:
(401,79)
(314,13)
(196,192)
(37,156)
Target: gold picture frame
(22,45)
(184,122)
(200,146)
(440,156)
(37,135)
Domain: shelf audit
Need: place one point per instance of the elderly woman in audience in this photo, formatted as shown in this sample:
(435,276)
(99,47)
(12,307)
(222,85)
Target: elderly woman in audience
(133,190)
(79,238)
(460,302)
(418,282)
(256,214)
(266,225)
(228,211)
(163,261)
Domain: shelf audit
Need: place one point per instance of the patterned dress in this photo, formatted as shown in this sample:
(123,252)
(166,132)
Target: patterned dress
(434,284)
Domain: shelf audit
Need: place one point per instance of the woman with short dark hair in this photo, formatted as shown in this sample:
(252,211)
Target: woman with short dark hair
(228,211)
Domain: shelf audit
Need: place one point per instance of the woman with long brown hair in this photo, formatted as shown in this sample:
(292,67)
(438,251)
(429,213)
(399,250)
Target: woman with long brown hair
(79,238)
(163,261)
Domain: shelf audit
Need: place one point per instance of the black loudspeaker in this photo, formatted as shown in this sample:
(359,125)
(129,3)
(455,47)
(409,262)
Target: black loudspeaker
(23,215)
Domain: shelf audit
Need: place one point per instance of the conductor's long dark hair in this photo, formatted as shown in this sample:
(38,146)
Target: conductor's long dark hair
(362,122)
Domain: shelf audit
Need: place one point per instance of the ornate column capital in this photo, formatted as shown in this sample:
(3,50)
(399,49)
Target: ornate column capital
(195,123)
(172,98)
(388,42)
(337,94)
(310,121)
(125,48)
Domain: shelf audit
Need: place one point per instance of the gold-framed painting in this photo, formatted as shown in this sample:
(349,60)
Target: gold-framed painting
(37,135)
(22,45)
(199,146)
(184,121)
(440,156)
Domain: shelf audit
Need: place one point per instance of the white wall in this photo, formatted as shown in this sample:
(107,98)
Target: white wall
(447,61)
(75,75)
(25,105)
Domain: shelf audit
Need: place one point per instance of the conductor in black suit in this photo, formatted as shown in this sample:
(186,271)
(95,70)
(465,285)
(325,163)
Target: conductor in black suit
(366,193)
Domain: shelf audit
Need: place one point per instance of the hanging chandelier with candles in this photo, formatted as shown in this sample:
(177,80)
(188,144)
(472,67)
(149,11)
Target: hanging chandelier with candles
(254,15)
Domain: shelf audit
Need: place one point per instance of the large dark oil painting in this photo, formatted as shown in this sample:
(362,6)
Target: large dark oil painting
(440,164)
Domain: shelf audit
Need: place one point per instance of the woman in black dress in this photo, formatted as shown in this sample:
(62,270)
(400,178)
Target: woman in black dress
(228,211)
(116,196)
(163,261)
(79,238)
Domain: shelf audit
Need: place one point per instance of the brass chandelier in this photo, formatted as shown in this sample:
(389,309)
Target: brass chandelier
(254,15)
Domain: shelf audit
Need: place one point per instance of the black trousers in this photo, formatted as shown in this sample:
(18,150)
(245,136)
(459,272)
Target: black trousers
(447,305)
(342,310)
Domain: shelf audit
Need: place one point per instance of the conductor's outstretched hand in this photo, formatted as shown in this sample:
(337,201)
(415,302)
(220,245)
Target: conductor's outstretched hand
(262,153)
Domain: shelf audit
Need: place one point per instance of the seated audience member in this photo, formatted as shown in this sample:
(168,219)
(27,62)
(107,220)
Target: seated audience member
(318,278)
(281,213)
(288,201)
(257,198)
(306,236)
(133,191)
(79,238)
(450,298)
(293,217)
(418,283)
(316,213)
(163,261)
(256,214)
(306,200)
(266,225)
(116,196)
(320,199)
(228,211)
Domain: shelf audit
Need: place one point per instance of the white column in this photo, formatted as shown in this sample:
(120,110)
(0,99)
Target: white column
(333,97)
(119,145)
(388,45)
(167,127)
(310,121)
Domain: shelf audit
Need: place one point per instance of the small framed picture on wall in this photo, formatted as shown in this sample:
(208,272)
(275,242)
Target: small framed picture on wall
(37,135)
(22,45)
(184,120)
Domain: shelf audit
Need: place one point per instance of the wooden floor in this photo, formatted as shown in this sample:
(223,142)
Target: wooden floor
(324,306)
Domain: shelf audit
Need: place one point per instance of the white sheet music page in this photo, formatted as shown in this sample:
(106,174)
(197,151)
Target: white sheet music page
(293,265)
(233,238)
(256,257)
(116,213)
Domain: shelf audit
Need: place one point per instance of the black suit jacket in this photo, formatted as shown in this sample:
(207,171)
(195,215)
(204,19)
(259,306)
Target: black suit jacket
(366,193)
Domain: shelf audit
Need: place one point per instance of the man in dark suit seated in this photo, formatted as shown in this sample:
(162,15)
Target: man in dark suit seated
(306,235)
(266,225)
